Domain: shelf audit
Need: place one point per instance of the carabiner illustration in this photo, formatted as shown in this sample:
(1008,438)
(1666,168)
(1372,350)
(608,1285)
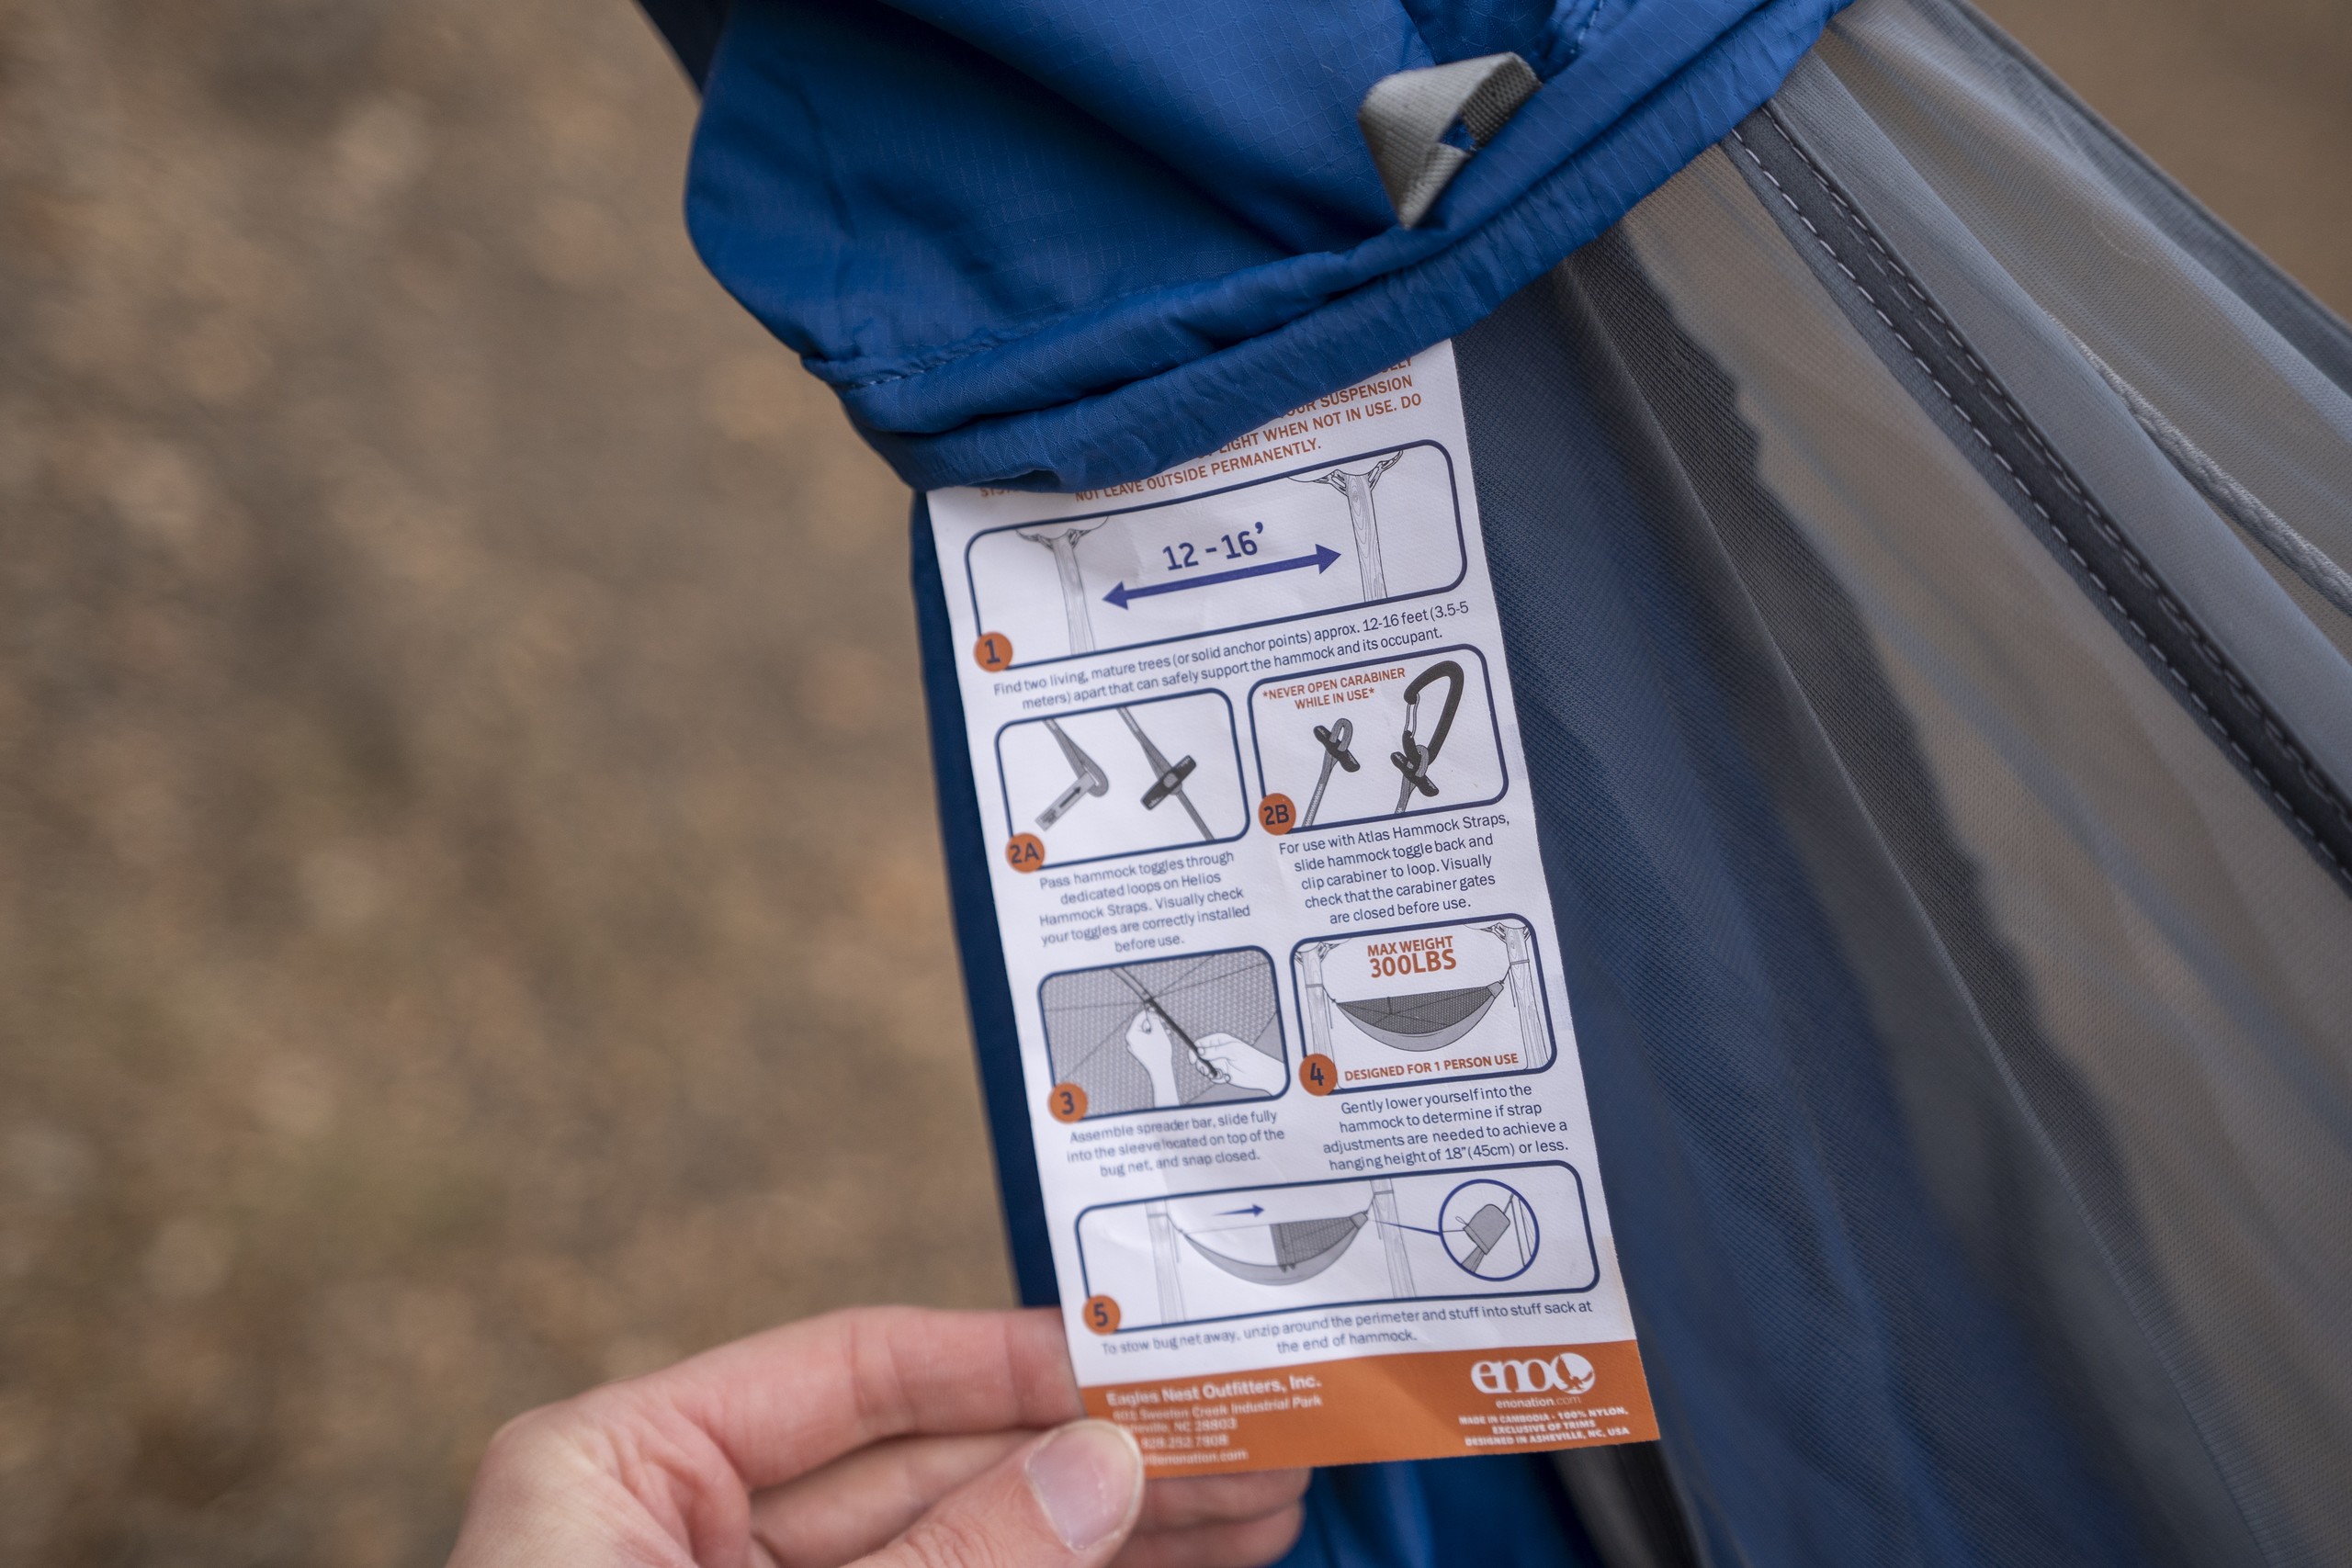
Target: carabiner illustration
(1413,760)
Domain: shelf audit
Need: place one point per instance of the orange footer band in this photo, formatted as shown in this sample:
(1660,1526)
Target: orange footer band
(1432,1404)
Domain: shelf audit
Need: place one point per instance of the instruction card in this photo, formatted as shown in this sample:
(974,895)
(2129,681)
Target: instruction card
(1302,1079)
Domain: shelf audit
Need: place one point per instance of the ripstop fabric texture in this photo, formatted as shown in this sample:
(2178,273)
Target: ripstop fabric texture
(1072,242)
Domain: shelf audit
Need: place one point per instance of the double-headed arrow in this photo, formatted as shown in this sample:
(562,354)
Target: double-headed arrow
(1320,560)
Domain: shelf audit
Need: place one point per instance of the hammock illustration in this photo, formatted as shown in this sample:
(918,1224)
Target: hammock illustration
(1303,1248)
(1425,1020)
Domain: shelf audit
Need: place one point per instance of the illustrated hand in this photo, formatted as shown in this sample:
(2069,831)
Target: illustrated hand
(1150,1042)
(1243,1064)
(890,1438)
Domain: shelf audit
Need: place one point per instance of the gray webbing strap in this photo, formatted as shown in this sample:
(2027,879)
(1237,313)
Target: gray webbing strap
(1406,116)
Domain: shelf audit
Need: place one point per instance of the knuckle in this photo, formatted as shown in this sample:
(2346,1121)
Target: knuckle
(952,1539)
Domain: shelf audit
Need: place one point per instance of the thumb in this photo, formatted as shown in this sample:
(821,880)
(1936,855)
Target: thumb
(1068,1500)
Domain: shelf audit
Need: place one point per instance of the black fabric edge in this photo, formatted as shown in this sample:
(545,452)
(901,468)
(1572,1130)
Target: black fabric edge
(995,1038)
(691,29)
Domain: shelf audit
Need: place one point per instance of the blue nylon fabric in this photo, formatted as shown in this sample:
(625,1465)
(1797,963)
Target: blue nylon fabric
(989,994)
(1074,243)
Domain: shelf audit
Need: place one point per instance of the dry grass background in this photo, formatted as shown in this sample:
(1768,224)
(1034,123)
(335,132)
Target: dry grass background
(470,922)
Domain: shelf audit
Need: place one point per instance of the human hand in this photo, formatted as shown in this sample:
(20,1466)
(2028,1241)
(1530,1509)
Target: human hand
(888,1436)
(1242,1064)
(1151,1042)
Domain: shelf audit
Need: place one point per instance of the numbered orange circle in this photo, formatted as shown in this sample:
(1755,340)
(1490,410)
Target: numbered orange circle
(1024,852)
(993,652)
(1318,1074)
(1066,1102)
(1277,815)
(1101,1315)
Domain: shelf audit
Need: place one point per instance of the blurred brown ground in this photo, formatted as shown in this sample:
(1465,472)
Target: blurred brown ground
(470,918)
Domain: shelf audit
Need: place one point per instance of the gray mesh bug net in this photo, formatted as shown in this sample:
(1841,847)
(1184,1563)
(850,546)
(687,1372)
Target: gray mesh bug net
(1971,804)
(1089,1014)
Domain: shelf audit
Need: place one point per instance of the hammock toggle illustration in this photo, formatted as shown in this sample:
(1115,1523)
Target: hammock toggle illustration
(1335,742)
(1089,778)
(1170,779)
(1413,760)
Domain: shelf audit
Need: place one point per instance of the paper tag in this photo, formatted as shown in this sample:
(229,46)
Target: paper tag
(1316,1158)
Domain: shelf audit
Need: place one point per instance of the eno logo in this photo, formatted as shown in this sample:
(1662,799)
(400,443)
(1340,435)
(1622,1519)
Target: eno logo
(1567,1372)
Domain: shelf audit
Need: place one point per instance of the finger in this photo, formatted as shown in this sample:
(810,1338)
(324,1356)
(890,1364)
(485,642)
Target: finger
(1067,1501)
(1252,1543)
(1220,1499)
(758,1412)
(849,1507)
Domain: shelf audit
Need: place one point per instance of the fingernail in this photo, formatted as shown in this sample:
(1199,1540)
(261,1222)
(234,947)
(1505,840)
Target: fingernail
(1087,1477)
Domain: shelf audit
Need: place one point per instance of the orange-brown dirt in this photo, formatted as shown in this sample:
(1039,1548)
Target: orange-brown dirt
(470,916)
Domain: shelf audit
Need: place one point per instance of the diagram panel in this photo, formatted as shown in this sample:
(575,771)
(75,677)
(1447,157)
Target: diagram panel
(1388,738)
(1427,1235)
(1163,1033)
(1421,1004)
(1124,779)
(1382,526)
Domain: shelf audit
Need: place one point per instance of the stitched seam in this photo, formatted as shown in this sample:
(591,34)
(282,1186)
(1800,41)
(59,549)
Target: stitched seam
(1985,382)
(2015,417)
(1575,44)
